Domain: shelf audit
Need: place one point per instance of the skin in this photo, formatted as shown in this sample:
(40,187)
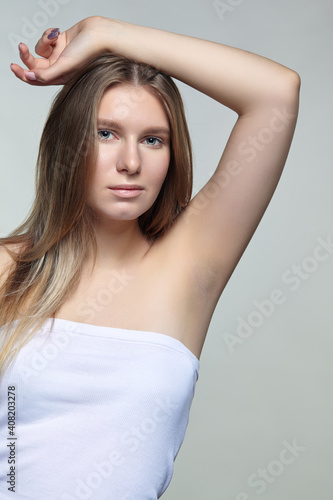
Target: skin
(172,286)
(129,153)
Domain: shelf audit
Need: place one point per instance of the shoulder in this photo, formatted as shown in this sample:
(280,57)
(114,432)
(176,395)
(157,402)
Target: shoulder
(7,259)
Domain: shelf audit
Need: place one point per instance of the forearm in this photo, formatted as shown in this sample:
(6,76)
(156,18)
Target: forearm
(240,80)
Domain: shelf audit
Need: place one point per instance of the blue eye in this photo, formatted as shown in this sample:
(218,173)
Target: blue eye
(105,134)
(153,141)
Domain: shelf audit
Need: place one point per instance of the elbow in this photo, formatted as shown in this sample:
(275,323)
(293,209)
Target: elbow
(295,82)
(290,87)
(285,91)
(282,88)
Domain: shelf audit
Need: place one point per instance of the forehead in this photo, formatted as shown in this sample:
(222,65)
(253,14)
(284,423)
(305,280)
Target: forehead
(129,103)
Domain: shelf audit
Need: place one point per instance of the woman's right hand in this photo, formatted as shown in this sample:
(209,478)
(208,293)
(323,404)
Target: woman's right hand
(62,56)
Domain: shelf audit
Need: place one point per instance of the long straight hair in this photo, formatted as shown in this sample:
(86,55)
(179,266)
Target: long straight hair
(50,247)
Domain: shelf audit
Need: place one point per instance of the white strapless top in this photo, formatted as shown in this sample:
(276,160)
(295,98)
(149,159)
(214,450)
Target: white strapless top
(100,413)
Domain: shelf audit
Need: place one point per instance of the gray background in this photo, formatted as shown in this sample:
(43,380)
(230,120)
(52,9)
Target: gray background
(274,387)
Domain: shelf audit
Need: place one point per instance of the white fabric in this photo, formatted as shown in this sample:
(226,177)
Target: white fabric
(100,413)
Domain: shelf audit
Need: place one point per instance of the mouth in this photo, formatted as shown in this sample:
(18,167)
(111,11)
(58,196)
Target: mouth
(126,190)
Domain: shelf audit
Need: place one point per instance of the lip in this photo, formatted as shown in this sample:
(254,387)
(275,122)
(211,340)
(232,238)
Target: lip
(126,190)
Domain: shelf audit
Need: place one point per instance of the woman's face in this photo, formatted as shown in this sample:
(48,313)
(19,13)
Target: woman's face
(133,153)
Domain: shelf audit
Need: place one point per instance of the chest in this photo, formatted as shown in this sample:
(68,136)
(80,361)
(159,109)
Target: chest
(125,396)
(143,297)
(161,294)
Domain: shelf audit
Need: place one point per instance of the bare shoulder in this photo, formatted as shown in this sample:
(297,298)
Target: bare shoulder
(5,255)
(7,259)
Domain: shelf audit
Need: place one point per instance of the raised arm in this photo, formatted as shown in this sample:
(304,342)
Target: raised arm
(236,78)
(220,220)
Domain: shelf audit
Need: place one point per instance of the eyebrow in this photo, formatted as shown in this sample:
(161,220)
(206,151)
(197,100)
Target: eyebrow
(105,122)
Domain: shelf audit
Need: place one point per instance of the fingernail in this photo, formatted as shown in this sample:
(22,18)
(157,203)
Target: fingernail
(53,35)
(30,75)
(19,47)
(55,29)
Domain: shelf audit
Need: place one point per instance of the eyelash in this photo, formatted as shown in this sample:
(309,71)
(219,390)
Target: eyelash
(160,141)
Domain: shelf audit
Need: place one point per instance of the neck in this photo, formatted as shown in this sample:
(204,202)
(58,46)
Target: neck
(119,243)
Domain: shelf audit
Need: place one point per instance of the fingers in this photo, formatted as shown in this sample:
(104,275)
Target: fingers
(27,58)
(61,55)
(47,47)
(30,62)
(47,42)
(58,73)
(37,78)
(21,74)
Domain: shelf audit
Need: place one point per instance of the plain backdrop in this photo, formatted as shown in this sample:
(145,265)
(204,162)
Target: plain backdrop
(261,421)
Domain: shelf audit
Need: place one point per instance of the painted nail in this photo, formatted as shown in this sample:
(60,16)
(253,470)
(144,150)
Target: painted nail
(53,35)
(30,75)
(55,29)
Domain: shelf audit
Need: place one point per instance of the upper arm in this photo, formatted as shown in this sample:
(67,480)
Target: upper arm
(218,223)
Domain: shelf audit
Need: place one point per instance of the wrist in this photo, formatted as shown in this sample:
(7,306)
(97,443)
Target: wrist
(113,35)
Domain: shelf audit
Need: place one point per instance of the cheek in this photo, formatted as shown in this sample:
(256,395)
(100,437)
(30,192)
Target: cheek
(161,173)
(102,167)
(162,176)
(105,158)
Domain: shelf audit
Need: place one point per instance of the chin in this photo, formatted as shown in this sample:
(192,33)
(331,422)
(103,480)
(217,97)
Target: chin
(122,211)
(121,216)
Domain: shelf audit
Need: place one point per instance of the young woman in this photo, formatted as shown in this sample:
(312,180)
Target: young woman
(109,287)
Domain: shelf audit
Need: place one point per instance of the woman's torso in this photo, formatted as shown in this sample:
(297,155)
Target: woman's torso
(159,290)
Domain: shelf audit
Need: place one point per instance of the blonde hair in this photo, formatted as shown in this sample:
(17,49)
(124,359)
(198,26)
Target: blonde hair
(55,239)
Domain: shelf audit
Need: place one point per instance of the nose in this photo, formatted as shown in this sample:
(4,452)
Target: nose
(129,159)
